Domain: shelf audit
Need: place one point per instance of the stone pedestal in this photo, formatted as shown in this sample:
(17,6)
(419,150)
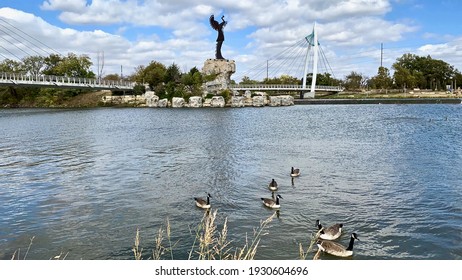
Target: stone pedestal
(220,70)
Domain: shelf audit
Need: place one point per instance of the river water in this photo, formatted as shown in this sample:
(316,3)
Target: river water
(80,182)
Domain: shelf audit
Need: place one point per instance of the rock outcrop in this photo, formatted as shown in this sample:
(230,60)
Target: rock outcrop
(221,71)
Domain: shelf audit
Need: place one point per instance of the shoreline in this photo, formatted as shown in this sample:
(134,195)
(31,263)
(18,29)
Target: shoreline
(346,101)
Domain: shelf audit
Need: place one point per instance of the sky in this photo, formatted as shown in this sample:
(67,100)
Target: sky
(132,33)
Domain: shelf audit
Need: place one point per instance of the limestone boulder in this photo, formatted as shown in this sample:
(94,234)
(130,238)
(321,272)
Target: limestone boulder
(237,101)
(217,102)
(287,100)
(274,101)
(152,100)
(195,102)
(163,103)
(258,101)
(178,102)
(207,102)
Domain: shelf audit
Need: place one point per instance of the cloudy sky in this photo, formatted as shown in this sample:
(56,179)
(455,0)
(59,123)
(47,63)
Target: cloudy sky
(135,32)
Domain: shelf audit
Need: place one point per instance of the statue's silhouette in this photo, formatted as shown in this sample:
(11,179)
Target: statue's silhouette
(221,36)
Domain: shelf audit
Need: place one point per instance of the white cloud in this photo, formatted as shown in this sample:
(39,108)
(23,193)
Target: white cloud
(185,37)
(66,5)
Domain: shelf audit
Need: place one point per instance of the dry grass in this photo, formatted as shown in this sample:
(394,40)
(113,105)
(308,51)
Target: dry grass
(303,253)
(209,243)
(17,253)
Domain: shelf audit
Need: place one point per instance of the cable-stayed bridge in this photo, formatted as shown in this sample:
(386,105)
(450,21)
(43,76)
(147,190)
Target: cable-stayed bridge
(15,43)
(302,59)
(22,80)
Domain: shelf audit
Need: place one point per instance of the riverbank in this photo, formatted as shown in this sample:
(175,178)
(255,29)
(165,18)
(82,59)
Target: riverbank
(339,101)
(95,99)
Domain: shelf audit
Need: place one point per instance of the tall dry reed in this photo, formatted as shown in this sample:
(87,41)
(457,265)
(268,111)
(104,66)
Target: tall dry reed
(209,242)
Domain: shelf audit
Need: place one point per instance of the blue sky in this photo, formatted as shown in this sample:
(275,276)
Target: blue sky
(135,32)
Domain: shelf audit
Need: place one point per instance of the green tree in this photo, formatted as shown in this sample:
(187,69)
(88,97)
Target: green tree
(51,64)
(112,77)
(192,81)
(323,79)
(173,74)
(246,80)
(153,74)
(424,72)
(383,79)
(33,65)
(70,66)
(11,66)
(355,81)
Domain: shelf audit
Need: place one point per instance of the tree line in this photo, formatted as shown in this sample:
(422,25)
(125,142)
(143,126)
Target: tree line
(410,71)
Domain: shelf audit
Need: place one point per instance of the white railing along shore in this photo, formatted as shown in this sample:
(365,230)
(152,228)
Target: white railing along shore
(282,87)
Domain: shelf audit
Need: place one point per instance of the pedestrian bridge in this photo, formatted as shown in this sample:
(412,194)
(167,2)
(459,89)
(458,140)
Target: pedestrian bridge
(14,79)
(278,87)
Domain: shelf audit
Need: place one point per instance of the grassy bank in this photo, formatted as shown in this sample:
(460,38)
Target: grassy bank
(48,98)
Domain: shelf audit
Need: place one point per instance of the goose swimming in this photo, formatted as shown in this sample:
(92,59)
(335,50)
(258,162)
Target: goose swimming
(336,249)
(294,172)
(272,203)
(203,203)
(273,186)
(330,233)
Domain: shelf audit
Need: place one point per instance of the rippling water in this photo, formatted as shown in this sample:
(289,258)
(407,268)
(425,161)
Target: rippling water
(82,181)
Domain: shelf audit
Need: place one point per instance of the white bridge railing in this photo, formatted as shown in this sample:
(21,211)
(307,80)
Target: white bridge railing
(14,79)
(283,87)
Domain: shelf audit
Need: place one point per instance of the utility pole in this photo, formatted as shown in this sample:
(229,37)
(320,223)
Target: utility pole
(381,54)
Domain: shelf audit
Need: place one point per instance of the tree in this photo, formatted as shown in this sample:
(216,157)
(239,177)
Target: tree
(192,81)
(11,66)
(70,66)
(153,74)
(112,77)
(173,74)
(51,64)
(355,81)
(246,81)
(33,65)
(323,79)
(383,79)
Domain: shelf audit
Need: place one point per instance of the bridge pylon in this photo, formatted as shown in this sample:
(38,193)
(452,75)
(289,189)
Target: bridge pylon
(312,40)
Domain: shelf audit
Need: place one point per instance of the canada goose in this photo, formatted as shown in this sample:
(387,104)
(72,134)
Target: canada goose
(272,203)
(273,186)
(329,233)
(294,172)
(202,203)
(336,249)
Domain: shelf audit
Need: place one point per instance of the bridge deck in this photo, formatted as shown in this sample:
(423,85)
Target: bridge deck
(10,79)
(275,87)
